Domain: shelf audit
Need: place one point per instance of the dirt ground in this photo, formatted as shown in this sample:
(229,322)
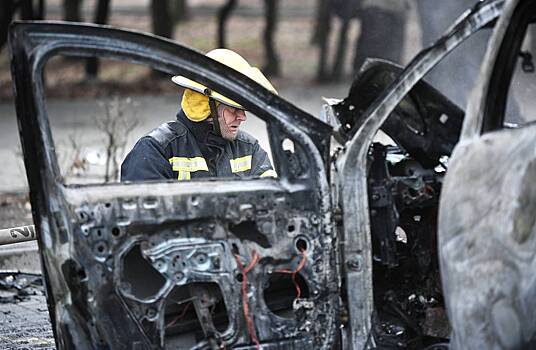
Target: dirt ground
(15,210)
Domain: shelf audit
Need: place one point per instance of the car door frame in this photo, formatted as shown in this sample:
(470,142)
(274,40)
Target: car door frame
(63,215)
(351,164)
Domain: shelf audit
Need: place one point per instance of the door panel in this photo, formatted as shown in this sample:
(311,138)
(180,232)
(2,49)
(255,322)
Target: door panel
(203,264)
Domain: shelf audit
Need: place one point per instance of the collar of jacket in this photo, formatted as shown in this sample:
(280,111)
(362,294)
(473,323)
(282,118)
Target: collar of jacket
(202,132)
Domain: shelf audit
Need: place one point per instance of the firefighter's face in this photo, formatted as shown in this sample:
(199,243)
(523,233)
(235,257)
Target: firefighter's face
(230,119)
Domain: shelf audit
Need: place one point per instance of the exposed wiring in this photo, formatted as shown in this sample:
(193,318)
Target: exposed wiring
(303,254)
(181,315)
(245,299)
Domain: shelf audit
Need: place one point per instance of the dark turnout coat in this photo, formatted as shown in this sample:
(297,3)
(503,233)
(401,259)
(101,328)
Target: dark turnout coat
(185,150)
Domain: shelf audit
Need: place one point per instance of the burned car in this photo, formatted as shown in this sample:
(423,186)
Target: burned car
(342,250)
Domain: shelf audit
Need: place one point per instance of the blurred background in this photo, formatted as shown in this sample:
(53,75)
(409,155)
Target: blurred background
(308,48)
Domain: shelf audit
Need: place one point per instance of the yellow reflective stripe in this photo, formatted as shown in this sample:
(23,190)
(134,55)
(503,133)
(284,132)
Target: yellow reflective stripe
(188,164)
(269,173)
(183,175)
(240,164)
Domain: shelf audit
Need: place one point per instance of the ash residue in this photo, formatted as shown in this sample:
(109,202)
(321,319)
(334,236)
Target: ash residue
(15,210)
(23,313)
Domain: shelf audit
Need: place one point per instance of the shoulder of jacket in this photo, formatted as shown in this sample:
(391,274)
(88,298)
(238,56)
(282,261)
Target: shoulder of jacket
(244,137)
(167,132)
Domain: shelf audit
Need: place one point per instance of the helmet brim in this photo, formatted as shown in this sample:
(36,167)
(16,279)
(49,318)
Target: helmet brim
(202,89)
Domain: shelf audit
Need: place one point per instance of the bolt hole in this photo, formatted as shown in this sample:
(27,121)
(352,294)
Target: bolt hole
(234,249)
(116,232)
(301,245)
(291,228)
(239,277)
(108,205)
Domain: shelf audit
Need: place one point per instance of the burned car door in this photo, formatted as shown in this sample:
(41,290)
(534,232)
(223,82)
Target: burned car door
(389,194)
(203,265)
(487,232)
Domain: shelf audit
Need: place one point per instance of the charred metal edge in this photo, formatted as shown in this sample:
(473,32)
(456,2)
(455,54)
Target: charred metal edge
(354,198)
(32,44)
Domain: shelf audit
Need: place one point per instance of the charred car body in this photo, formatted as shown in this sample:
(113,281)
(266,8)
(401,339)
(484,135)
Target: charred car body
(338,252)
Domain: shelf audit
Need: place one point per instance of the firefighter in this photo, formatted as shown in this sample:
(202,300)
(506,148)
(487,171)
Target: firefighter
(205,140)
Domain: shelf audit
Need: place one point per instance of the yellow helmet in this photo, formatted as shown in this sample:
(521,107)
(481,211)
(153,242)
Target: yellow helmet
(195,100)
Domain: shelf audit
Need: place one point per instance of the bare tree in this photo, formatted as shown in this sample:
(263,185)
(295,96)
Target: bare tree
(162,18)
(346,10)
(7,11)
(324,29)
(27,9)
(101,17)
(338,62)
(116,126)
(180,10)
(77,164)
(321,15)
(71,10)
(223,15)
(272,61)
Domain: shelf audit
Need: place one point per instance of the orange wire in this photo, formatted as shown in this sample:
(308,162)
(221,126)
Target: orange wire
(245,302)
(180,316)
(303,253)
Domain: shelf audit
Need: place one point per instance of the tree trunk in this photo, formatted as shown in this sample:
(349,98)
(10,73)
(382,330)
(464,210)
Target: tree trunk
(163,24)
(271,67)
(338,64)
(101,17)
(223,15)
(26,9)
(40,11)
(320,17)
(7,9)
(71,10)
(324,30)
(180,10)
(162,19)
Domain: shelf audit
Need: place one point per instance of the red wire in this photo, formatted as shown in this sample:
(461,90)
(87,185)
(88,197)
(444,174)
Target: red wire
(303,253)
(245,300)
(180,316)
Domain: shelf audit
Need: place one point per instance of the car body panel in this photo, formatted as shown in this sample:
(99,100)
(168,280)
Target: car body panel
(352,166)
(486,222)
(93,238)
